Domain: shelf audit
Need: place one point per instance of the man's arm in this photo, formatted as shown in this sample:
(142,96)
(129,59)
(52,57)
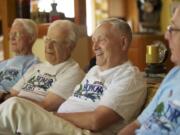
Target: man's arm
(96,120)
(14,92)
(130,129)
(51,102)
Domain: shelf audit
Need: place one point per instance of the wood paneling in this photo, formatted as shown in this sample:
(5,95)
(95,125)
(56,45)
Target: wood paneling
(80,11)
(8,15)
(117,8)
(42,29)
(132,14)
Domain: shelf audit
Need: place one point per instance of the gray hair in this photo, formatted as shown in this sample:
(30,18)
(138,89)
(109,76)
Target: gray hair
(30,27)
(120,25)
(69,27)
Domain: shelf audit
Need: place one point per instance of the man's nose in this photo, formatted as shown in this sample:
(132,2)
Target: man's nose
(49,45)
(95,45)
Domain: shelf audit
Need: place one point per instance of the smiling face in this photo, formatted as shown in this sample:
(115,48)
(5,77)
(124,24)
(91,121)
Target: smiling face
(173,37)
(19,40)
(57,49)
(108,46)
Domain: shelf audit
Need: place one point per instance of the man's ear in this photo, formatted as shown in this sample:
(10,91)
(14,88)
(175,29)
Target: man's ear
(71,46)
(124,42)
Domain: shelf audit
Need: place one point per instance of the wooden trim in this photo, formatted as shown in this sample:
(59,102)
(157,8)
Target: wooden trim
(42,29)
(9,13)
(80,11)
(8,8)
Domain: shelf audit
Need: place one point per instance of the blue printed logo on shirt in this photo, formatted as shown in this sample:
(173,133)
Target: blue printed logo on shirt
(42,82)
(9,74)
(165,119)
(90,91)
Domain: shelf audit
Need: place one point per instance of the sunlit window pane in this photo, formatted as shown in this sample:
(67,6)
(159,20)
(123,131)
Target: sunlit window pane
(90,17)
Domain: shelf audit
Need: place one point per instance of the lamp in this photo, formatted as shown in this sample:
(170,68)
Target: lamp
(156,55)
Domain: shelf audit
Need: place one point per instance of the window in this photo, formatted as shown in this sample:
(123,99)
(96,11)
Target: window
(96,10)
(65,6)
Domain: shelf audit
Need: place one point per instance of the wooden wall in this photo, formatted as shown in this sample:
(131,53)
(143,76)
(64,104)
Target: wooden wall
(8,11)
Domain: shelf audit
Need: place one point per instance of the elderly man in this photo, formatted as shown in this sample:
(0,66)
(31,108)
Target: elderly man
(49,84)
(162,115)
(110,95)
(23,34)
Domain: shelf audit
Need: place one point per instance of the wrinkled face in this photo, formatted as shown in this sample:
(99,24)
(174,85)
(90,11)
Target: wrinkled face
(107,46)
(173,37)
(19,39)
(57,48)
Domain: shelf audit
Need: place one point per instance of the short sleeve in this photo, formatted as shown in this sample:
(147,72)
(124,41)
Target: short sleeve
(155,100)
(18,86)
(66,83)
(3,64)
(29,64)
(126,94)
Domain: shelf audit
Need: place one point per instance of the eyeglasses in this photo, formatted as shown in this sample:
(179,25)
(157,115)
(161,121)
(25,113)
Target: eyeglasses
(15,35)
(49,40)
(170,29)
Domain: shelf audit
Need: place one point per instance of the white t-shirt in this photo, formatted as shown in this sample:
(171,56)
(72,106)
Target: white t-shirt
(121,89)
(41,78)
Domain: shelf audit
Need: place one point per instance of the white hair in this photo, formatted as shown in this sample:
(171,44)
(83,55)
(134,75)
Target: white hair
(69,27)
(30,27)
(120,25)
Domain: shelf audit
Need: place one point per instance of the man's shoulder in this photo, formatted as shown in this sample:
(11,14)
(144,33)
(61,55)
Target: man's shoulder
(173,73)
(14,61)
(41,65)
(38,66)
(123,69)
(71,66)
(95,69)
(174,70)
(3,63)
(127,68)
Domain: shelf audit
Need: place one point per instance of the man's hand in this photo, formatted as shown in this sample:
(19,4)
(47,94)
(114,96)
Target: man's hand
(50,103)
(130,129)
